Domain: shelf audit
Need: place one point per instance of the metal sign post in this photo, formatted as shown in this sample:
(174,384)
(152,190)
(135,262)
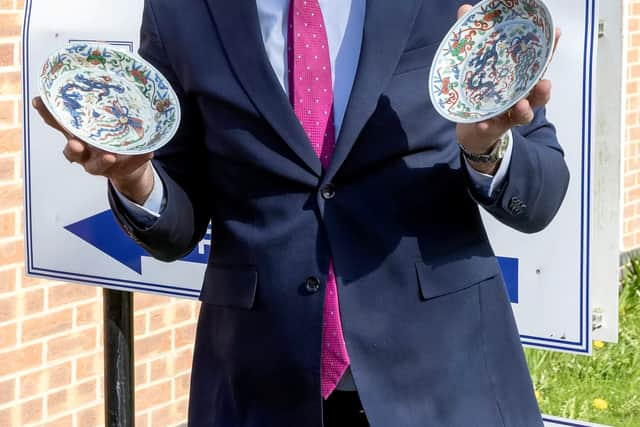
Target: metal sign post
(118,359)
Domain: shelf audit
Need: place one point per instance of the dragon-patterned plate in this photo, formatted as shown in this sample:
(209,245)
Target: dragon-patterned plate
(491,58)
(110,99)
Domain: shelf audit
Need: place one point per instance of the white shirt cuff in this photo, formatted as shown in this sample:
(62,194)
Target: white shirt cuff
(488,184)
(149,212)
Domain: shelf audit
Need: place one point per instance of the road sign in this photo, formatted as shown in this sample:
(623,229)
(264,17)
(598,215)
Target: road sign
(71,234)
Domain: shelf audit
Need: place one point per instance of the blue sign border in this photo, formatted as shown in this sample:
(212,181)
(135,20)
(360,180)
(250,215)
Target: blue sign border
(565,423)
(580,346)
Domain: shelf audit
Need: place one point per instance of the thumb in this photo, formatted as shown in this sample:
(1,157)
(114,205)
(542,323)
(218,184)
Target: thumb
(464,9)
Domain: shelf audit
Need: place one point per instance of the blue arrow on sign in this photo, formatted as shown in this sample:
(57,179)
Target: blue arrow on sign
(509,267)
(103,232)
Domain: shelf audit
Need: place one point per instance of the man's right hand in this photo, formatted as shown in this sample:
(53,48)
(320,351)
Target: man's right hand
(132,176)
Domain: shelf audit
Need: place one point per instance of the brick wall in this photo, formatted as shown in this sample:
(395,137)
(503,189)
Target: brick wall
(51,332)
(631,166)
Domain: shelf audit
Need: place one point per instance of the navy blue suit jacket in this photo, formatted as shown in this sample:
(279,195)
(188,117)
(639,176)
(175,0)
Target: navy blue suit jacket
(427,322)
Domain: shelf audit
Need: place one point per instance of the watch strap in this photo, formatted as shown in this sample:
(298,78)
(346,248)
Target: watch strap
(496,154)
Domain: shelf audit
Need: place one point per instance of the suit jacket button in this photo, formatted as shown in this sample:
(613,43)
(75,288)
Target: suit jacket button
(328,192)
(516,206)
(312,285)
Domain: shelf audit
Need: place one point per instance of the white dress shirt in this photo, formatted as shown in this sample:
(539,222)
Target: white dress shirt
(344,22)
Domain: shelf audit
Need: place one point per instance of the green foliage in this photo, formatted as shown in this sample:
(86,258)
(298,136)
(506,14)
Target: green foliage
(568,386)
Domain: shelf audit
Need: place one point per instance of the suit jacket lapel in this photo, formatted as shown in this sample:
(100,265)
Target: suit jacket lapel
(386,29)
(239,30)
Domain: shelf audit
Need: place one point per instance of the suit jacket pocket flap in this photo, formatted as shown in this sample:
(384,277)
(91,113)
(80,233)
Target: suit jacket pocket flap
(230,286)
(451,276)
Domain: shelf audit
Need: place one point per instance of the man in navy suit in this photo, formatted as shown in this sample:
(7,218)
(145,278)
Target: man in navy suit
(351,279)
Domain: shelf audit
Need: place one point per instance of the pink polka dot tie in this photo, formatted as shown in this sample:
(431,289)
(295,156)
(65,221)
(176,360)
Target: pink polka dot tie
(311,93)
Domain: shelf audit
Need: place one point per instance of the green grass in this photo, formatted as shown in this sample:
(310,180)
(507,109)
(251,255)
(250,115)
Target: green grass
(567,385)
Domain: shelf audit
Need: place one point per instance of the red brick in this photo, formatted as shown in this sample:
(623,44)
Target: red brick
(68,398)
(31,302)
(7,309)
(89,314)
(20,109)
(630,210)
(20,222)
(31,411)
(10,24)
(49,323)
(89,366)
(155,395)
(185,335)
(141,374)
(67,294)
(629,181)
(183,360)
(182,383)
(11,251)
(152,346)
(144,301)
(10,140)
(7,54)
(64,421)
(30,282)
(7,226)
(10,83)
(8,336)
(634,194)
(10,416)
(6,4)
(10,197)
(8,170)
(169,415)
(7,111)
(25,413)
(183,311)
(142,420)
(161,368)
(42,381)
(72,344)
(7,391)
(160,319)
(21,359)
(89,417)
(8,280)
(140,324)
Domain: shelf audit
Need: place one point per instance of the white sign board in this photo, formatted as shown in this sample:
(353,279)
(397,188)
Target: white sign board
(554,267)
(71,234)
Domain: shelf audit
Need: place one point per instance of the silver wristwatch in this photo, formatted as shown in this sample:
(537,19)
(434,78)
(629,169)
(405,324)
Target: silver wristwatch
(496,154)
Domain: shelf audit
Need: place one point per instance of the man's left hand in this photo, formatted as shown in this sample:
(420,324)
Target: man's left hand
(480,138)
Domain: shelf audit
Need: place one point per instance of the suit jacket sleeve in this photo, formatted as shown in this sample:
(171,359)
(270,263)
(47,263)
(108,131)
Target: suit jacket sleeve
(536,182)
(179,164)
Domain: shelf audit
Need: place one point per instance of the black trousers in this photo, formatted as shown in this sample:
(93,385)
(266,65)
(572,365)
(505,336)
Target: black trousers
(343,409)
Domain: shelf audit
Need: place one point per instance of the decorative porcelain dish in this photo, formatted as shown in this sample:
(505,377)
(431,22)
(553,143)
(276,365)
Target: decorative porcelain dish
(491,58)
(110,98)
